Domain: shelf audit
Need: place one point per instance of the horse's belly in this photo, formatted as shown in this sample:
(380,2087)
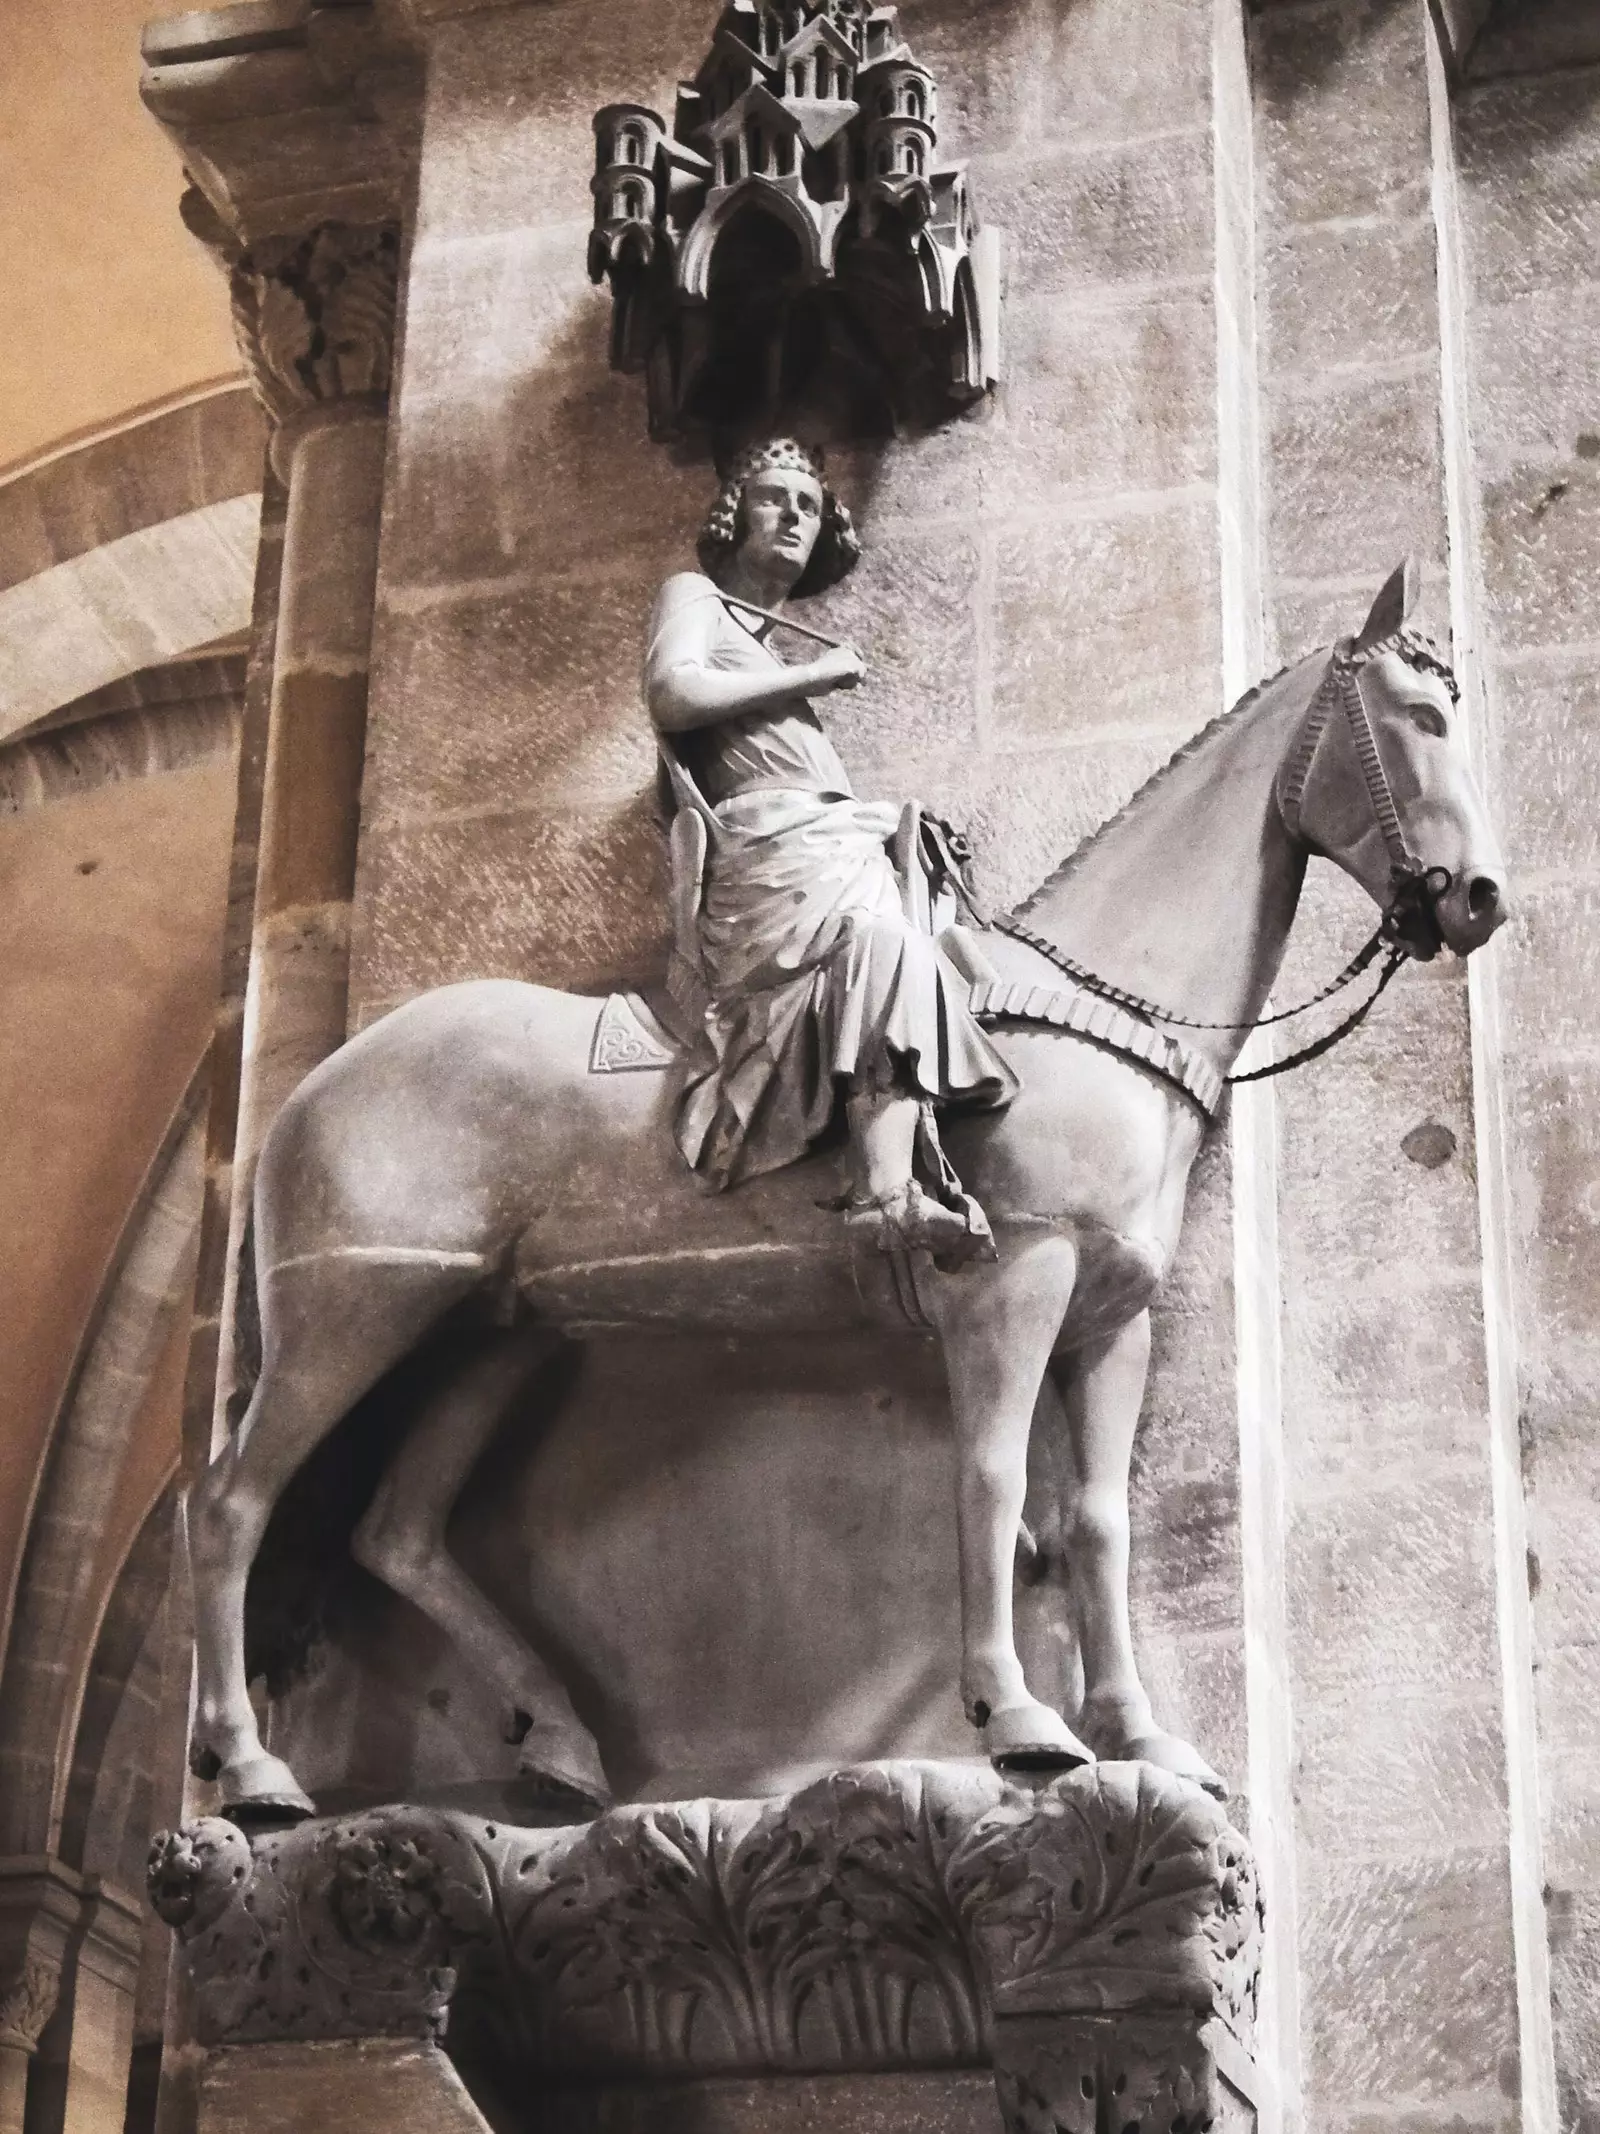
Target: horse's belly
(762,1258)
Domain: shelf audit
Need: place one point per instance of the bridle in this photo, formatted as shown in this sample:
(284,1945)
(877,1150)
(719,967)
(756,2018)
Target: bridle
(1407,927)
(1407,921)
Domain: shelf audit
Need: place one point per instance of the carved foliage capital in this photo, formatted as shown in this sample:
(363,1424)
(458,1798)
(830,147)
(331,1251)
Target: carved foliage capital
(314,315)
(890,1915)
(27,2002)
(1138,2074)
(1117,1888)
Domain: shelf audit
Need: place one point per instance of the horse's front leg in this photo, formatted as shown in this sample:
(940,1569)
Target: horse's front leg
(401,1539)
(998,1325)
(1102,1391)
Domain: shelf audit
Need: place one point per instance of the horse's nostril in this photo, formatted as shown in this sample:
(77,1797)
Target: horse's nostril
(1483,895)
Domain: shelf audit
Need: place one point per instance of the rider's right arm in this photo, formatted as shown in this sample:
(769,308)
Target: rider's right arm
(681,686)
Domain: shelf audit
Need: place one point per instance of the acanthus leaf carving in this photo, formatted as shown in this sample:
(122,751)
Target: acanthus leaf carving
(1124,1886)
(27,2003)
(1099,2075)
(892,1915)
(314,313)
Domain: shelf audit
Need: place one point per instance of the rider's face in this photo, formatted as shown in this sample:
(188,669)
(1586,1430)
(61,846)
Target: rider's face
(782,518)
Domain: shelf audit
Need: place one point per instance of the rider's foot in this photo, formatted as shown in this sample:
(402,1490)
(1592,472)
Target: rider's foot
(909,1219)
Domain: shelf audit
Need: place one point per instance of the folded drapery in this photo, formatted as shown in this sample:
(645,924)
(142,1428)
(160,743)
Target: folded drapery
(815,976)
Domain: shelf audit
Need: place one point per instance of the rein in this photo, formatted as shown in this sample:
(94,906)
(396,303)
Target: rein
(1403,928)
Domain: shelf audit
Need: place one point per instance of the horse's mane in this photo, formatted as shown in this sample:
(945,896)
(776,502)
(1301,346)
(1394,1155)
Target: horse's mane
(1190,749)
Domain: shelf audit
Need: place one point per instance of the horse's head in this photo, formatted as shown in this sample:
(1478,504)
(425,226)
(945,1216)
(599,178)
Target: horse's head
(1379,782)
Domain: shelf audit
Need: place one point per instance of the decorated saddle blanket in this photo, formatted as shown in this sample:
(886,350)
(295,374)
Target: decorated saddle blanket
(635,1033)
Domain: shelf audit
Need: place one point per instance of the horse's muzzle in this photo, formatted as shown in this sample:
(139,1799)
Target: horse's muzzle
(1473,908)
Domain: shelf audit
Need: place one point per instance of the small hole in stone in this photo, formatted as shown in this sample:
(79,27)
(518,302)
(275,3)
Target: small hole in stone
(87,866)
(1430,1144)
(1086,2084)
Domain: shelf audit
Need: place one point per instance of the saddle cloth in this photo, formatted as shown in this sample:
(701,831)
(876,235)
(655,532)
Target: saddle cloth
(632,1035)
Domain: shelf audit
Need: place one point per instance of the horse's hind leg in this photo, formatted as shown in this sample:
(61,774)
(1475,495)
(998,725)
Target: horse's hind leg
(998,1325)
(1102,1391)
(330,1328)
(401,1540)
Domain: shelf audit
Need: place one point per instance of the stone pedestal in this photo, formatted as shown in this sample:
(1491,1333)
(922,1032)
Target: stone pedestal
(866,1946)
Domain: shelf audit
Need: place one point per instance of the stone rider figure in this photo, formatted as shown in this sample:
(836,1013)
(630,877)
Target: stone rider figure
(817,947)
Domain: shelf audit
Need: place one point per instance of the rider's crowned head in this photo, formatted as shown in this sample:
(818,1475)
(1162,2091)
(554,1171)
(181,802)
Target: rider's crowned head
(837,548)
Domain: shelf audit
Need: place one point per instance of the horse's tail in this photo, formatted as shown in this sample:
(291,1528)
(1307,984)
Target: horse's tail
(246,1325)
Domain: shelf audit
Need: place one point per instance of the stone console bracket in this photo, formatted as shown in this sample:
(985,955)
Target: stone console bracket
(1096,1940)
(789,250)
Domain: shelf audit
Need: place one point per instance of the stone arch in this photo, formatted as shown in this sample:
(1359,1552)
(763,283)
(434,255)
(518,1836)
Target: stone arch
(132,549)
(107,1806)
(694,266)
(62,1593)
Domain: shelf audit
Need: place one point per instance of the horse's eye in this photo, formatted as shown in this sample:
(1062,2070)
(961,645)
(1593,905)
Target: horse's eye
(1428,719)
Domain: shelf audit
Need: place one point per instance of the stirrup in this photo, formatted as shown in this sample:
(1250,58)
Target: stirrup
(911,1220)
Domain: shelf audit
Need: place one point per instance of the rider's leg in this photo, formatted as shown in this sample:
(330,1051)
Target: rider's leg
(883,1128)
(885,1117)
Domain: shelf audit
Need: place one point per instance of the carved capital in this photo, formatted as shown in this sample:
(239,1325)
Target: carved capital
(44,1910)
(27,2002)
(905,1915)
(313,315)
(1119,1887)
(1137,2074)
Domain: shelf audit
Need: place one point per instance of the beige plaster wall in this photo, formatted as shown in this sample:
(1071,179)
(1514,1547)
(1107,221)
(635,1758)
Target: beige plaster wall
(110,928)
(110,304)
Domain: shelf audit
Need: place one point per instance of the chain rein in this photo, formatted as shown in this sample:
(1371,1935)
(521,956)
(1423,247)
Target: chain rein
(1412,882)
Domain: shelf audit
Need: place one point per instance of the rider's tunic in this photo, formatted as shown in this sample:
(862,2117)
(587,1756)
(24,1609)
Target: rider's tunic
(817,978)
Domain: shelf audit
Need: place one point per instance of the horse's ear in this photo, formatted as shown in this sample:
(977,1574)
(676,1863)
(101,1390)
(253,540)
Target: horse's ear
(1394,606)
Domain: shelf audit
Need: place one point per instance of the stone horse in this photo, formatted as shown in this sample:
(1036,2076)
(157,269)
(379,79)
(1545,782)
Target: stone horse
(462,1144)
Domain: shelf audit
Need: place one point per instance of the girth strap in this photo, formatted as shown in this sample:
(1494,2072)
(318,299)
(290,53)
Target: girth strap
(1086,1014)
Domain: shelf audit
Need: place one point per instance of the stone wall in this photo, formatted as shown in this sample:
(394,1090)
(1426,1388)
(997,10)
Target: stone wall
(1528,147)
(1394,1677)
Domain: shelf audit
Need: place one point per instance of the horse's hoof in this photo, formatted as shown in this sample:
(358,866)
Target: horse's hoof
(568,1772)
(1028,1739)
(262,1790)
(1170,1752)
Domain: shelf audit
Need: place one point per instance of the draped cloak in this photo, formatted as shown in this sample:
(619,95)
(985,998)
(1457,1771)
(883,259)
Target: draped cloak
(816,978)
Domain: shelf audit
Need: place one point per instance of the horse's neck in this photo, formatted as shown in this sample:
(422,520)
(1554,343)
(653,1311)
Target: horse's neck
(1188,895)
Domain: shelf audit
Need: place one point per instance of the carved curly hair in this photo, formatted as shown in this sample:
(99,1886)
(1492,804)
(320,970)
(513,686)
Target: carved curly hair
(838,548)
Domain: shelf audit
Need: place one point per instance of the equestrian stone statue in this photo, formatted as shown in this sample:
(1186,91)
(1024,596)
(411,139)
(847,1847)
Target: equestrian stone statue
(463,1145)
